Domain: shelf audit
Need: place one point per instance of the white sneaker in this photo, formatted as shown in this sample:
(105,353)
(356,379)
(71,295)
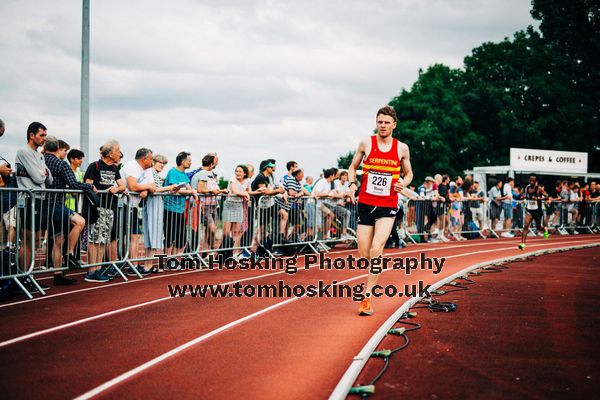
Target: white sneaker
(444,238)
(507,235)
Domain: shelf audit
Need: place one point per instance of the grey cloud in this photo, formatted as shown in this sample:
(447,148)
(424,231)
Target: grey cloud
(250,79)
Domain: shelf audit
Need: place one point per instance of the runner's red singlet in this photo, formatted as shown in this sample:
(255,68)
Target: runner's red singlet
(381,170)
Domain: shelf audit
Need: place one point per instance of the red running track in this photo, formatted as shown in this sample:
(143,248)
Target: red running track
(133,340)
(531,331)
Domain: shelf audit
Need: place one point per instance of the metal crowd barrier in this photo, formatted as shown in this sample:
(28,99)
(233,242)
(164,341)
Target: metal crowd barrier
(587,221)
(17,259)
(334,222)
(126,231)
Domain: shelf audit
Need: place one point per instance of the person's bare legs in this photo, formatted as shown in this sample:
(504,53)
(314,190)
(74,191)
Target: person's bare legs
(283,220)
(380,234)
(57,250)
(78,223)
(96,254)
(150,254)
(24,255)
(237,236)
(134,246)
(526,225)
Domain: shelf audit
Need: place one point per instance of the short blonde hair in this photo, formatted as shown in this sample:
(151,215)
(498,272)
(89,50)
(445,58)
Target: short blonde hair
(160,158)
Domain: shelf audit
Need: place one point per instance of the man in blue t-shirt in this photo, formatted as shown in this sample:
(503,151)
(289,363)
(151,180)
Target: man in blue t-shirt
(174,217)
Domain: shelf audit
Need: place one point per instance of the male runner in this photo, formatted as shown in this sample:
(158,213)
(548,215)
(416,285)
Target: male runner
(384,158)
(533,195)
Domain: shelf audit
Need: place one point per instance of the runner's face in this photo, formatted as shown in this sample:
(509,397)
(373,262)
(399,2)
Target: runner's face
(385,125)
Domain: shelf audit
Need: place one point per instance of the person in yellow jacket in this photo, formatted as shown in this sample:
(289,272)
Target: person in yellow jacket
(75,158)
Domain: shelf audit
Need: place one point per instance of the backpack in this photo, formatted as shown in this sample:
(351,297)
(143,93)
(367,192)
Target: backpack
(9,198)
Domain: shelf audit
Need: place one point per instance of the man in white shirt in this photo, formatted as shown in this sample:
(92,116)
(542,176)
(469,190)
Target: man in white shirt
(138,178)
(323,193)
(507,207)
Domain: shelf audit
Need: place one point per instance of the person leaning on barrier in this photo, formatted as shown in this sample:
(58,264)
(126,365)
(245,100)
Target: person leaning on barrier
(207,186)
(104,175)
(322,193)
(309,184)
(296,192)
(291,166)
(63,178)
(456,209)
(8,211)
(281,205)
(174,205)
(342,196)
(594,200)
(507,207)
(495,196)
(138,178)
(573,205)
(32,174)
(63,149)
(260,186)
(153,213)
(235,210)
(477,213)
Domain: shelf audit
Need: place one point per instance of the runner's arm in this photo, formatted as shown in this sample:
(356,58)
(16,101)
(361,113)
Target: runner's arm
(359,154)
(404,155)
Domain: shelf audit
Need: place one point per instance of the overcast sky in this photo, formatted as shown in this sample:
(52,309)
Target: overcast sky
(250,80)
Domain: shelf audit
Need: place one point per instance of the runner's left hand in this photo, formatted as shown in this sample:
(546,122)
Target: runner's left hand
(398,186)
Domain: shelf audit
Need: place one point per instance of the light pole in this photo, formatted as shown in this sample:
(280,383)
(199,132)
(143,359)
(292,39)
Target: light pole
(84,130)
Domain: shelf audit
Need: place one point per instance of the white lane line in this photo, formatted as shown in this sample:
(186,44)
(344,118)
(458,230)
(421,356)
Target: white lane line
(113,312)
(115,381)
(150,302)
(358,362)
(109,285)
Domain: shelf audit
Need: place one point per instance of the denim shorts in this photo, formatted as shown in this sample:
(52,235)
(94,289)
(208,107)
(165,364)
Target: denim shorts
(508,210)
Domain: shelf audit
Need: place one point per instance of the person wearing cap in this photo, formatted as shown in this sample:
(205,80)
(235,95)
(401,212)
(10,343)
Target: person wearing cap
(263,185)
(296,192)
(281,204)
(427,208)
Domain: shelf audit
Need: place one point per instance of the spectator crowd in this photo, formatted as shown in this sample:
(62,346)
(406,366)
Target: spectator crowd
(135,209)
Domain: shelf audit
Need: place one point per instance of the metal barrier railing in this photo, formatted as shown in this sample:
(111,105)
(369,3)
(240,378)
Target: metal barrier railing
(19,238)
(334,221)
(122,235)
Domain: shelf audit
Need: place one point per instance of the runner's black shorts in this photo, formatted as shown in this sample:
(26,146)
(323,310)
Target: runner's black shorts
(368,215)
(537,215)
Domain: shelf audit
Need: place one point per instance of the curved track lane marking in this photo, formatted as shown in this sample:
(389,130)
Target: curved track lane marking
(150,302)
(123,377)
(109,285)
(357,364)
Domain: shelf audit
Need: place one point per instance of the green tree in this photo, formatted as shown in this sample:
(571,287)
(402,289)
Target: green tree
(344,161)
(431,120)
(538,89)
